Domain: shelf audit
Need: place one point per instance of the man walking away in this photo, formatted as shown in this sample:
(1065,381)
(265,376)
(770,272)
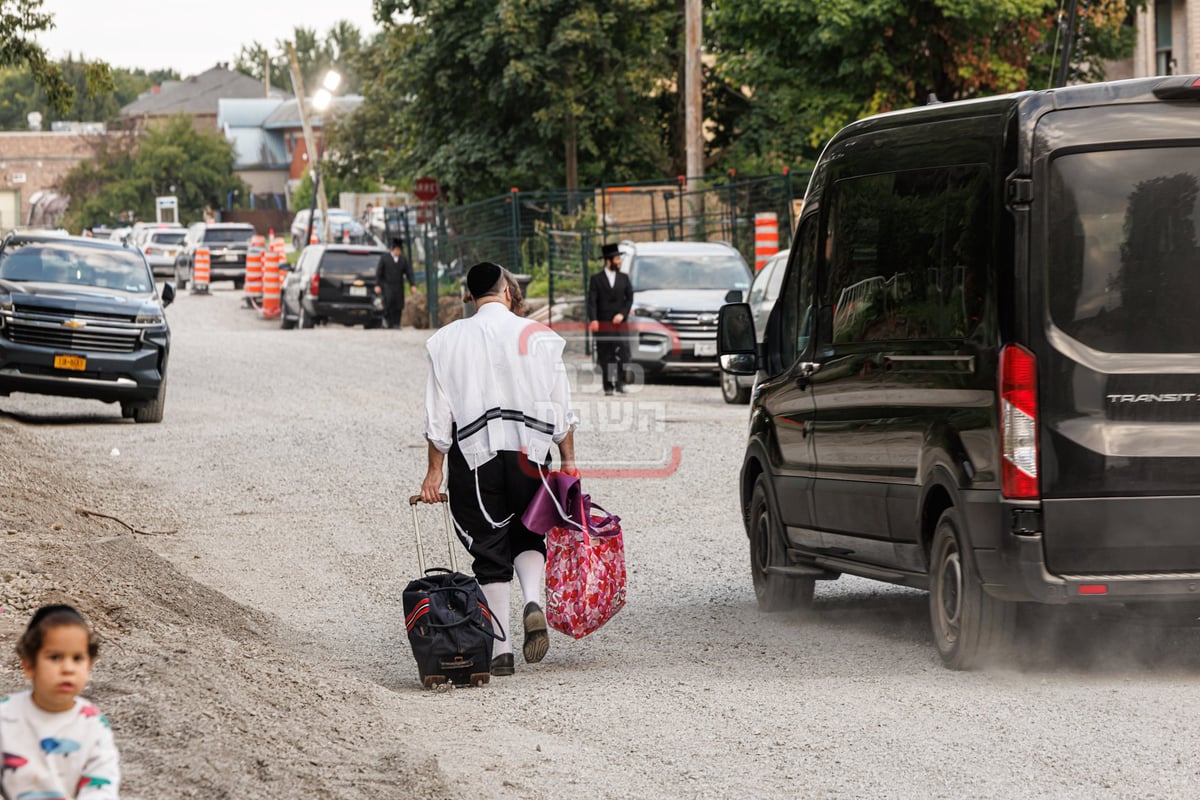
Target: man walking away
(610,297)
(496,399)
(389,281)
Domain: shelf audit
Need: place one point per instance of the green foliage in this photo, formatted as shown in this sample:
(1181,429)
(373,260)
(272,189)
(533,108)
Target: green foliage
(315,55)
(484,95)
(334,186)
(125,174)
(18,18)
(812,66)
(20,94)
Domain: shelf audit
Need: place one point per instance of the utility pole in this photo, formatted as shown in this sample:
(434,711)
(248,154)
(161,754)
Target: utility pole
(309,142)
(694,94)
(1068,44)
(266,74)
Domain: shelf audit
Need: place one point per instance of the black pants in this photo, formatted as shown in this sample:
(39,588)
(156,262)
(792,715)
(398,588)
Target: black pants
(393,305)
(507,484)
(611,355)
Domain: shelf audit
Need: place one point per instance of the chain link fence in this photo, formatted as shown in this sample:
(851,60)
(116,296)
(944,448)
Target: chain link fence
(553,237)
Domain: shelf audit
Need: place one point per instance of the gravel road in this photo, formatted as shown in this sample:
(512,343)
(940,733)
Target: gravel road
(283,463)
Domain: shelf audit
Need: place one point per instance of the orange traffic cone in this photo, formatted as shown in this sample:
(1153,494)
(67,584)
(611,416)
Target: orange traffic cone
(271,302)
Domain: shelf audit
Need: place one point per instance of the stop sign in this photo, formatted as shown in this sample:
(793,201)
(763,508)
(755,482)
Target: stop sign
(426,189)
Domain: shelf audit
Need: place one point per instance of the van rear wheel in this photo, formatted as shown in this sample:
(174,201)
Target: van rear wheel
(970,627)
(774,591)
(731,392)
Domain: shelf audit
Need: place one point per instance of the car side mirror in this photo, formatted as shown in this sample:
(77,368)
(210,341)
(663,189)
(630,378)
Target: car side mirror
(736,345)
(733,296)
(168,294)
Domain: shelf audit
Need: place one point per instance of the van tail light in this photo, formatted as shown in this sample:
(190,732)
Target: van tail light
(1018,423)
(314,288)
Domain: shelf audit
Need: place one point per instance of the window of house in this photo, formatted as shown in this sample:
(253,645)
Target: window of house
(1163,63)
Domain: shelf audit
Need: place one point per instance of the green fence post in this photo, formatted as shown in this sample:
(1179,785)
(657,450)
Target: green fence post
(732,209)
(550,277)
(431,283)
(682,188)
(789,198)
(514,243)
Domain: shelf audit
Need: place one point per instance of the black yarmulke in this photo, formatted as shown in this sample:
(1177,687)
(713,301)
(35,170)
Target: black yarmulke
(482,277)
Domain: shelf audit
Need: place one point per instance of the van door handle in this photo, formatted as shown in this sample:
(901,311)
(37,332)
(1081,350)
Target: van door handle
(806,370)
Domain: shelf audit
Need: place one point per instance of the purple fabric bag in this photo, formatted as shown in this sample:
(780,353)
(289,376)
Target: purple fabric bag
(560,492)
(548,508)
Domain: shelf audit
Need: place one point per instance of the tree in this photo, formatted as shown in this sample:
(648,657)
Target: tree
(20,94)
(316,56)
(125,174)
(811,66)
(18,18)
(486,96)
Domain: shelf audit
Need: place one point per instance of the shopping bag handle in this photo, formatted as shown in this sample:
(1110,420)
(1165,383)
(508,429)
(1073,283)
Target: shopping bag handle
(416,498)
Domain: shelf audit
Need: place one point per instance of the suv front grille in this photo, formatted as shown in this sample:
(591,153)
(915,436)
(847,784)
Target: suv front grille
(47,328)
(692,322)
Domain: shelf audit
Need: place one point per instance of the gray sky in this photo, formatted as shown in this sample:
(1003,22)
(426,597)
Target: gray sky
(186,35)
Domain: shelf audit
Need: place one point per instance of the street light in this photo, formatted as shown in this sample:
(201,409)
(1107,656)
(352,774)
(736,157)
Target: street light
(321,101)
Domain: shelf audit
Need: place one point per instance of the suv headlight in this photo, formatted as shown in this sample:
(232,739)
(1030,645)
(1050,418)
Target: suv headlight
(148,317)
(653,312)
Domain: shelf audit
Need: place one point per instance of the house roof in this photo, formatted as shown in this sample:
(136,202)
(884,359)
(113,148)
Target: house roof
(198,94)
(287,114)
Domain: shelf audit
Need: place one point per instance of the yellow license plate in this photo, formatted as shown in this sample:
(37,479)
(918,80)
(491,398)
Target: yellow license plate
(77,363)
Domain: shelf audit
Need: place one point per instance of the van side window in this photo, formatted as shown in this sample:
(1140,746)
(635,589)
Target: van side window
(793,312)
(907,255)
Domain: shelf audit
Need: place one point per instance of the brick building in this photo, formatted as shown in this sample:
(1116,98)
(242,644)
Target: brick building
(33,162)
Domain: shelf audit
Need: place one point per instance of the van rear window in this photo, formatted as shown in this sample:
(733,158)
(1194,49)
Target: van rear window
(339,262)
(1123,245)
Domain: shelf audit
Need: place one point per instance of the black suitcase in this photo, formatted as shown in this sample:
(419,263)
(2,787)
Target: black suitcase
(450,627)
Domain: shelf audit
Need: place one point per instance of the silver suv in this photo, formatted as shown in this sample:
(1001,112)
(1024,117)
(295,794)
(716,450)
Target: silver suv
(678,291)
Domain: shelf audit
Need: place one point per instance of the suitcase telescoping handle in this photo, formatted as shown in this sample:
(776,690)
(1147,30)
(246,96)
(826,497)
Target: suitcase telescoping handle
(445,502)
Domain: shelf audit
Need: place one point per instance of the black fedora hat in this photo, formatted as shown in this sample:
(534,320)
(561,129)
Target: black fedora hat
(610,250)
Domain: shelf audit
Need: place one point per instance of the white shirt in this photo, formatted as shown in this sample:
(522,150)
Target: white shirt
(57,754)
(501,379)
(611,274)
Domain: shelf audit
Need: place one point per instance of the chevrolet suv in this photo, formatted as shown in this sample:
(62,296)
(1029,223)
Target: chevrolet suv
(227,244)
(982,372)
(80,317)
(678,289)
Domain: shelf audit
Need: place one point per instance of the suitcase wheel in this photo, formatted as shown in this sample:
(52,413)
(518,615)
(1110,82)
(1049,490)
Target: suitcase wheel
(439,683)
(480,678)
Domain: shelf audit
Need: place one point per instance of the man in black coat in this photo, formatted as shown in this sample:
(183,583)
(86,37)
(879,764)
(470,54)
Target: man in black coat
(610,298)
(389,281)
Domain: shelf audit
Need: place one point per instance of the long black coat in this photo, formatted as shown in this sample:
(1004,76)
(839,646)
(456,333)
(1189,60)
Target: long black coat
(392,271)
(604,301)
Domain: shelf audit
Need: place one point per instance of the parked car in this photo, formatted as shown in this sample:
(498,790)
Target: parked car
(981,371)
(161,246)
(333,283)
(678,290)
(227,244)
(80,317)
(763,291)
(342,226)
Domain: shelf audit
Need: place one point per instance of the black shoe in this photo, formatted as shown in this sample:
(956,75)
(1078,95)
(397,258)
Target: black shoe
(502,665)
(537,641)
(608,392)
(620,390)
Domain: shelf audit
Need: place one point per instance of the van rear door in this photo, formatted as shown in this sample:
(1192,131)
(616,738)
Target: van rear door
(1115,326)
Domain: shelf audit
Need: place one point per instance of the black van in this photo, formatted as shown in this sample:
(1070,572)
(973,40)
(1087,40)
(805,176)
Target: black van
(982,374)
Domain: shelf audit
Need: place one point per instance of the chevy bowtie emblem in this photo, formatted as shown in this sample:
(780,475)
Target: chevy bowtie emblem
(707,319)
(74,323)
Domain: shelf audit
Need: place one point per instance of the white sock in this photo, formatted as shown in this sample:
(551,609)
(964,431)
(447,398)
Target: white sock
(530,567)
(497,600)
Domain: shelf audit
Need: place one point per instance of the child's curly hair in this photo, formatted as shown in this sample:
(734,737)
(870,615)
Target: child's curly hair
(45,618)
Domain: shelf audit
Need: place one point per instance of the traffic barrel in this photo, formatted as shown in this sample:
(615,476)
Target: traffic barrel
(201,270)
(312,237)
(345,236)
(279,246)
(766,237)
(270,299)
(259,241)
(254,273)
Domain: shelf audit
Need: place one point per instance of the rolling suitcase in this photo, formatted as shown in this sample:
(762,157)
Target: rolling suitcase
(450,627)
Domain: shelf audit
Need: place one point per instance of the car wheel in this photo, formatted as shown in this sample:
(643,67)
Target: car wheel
(732,392)
(127,410)
(152,411)
(774,591)
(238,285)
(970,627)
(286,320)
(180,282)
(296,243)
(306,319)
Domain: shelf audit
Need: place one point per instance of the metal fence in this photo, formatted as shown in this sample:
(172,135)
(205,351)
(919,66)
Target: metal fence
(554,236)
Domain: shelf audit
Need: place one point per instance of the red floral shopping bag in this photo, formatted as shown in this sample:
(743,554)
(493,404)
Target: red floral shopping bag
(585,574)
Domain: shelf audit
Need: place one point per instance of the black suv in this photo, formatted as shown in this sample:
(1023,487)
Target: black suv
(982,374)
(80,317)
(333,283)
(227,244)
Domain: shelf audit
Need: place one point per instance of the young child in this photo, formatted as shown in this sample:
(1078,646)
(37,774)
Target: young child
(56,745)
